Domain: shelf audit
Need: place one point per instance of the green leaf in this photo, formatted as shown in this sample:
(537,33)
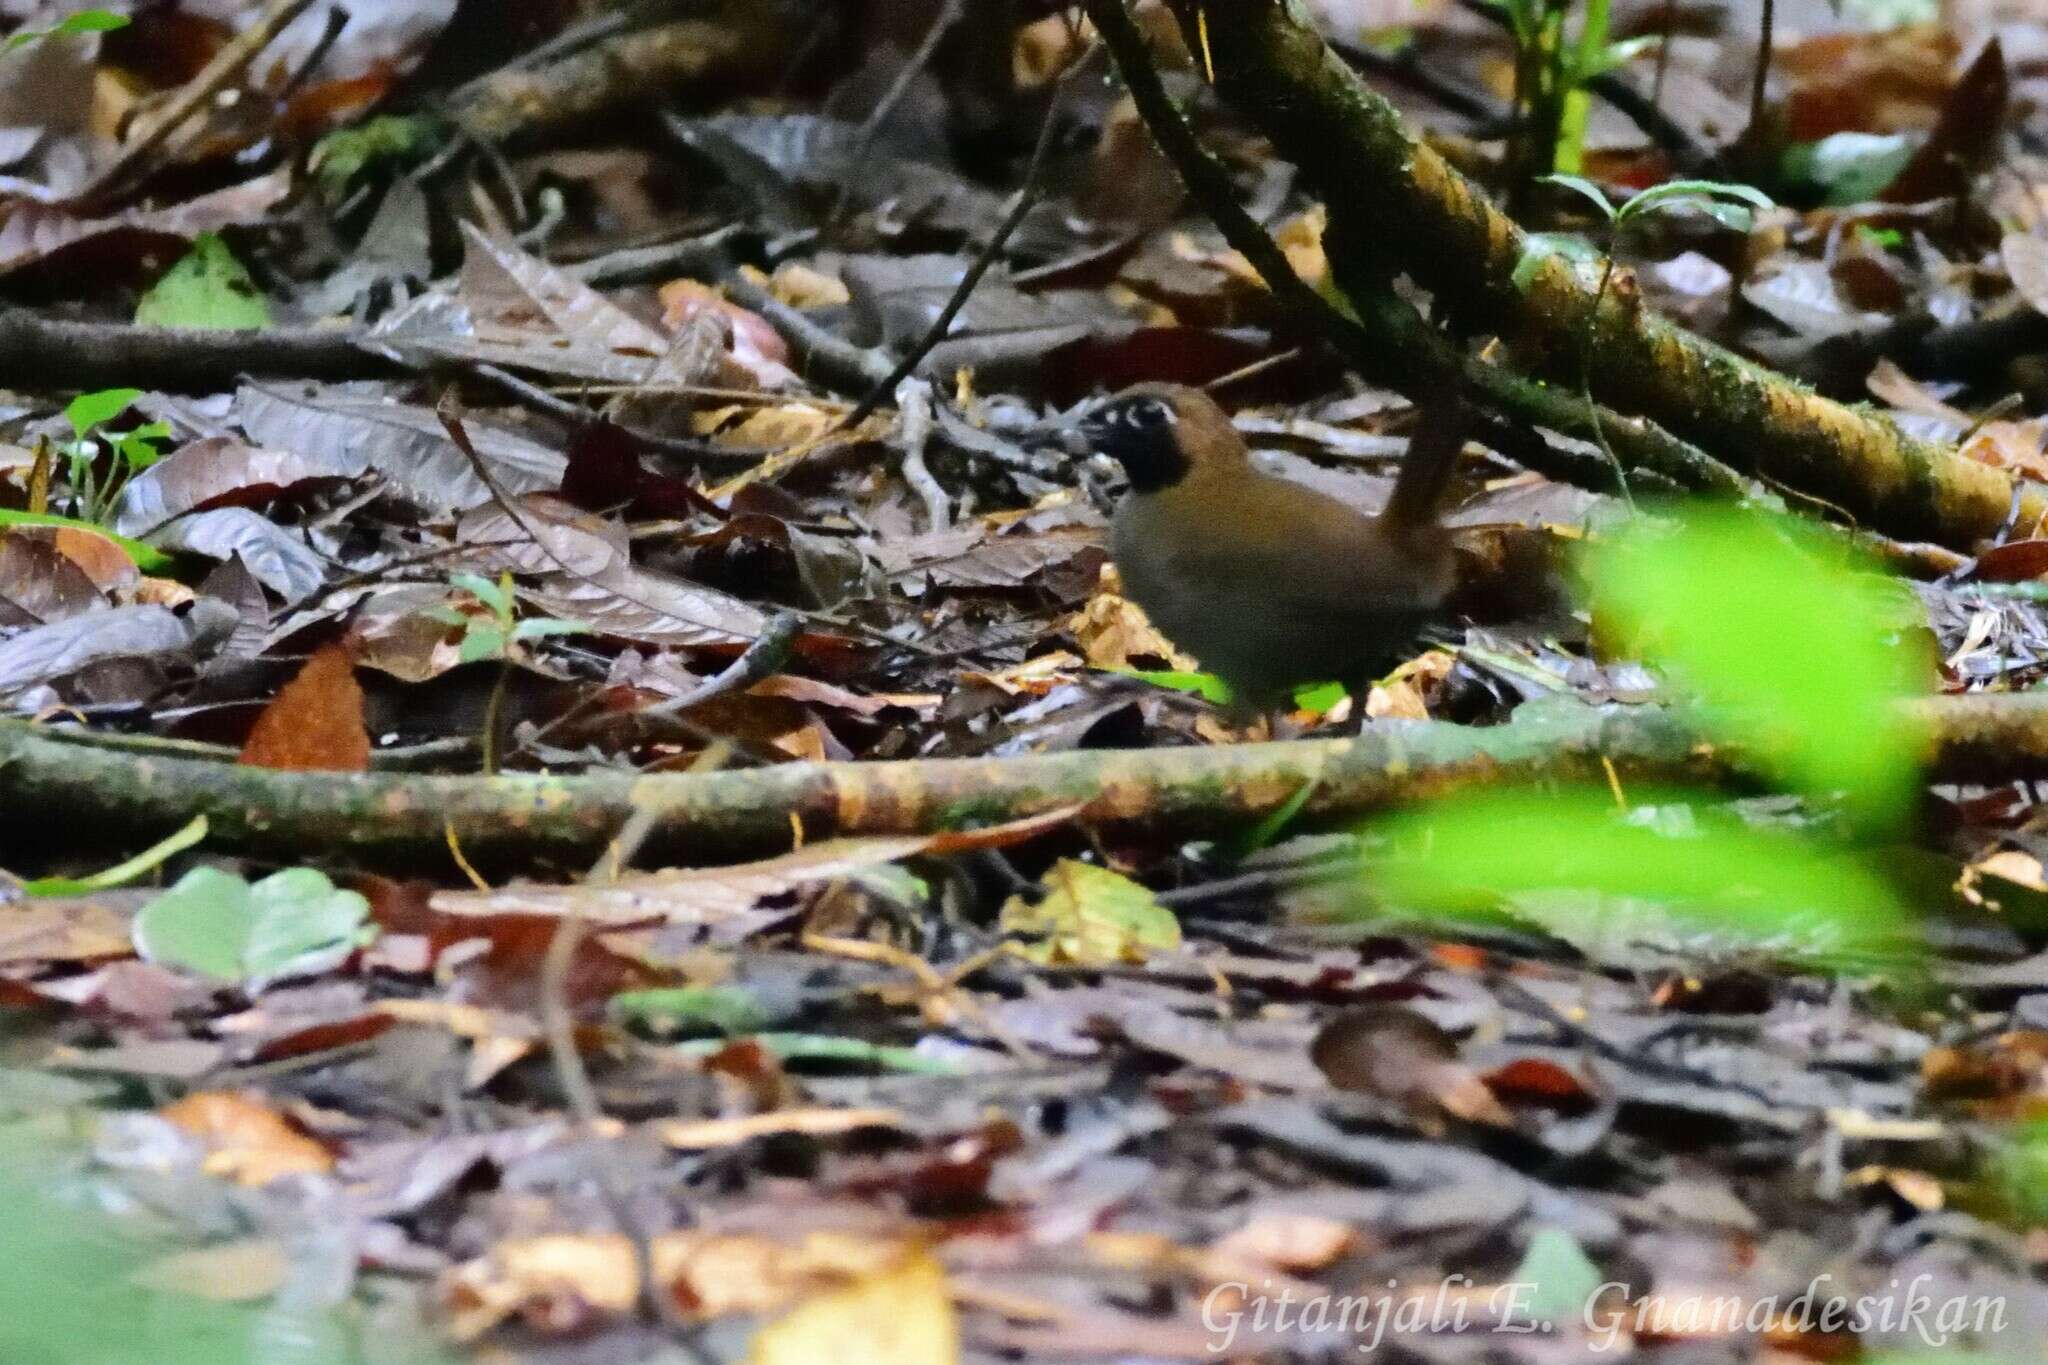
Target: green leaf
(493,594)
(481,642)
(305,923)
(1320,697)
(1731,885)
(209,289)
(290,923)
(727,1009)
(1726,202)
(91,410)
(1848,168)
(121,873)
(201,924)
(147,558)
(85,21)
(137,448)
(340,158)
(1207,686)
(1562,1278)
(1789,652)
(1580,185)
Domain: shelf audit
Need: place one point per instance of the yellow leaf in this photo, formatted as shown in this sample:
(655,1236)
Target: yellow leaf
(899,1316)
(1092,917)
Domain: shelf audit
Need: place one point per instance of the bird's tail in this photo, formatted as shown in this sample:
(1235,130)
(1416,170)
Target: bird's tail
(1433,450)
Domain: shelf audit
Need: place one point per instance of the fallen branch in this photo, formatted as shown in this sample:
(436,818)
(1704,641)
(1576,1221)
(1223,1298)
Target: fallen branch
(36,350)
(730,43)
(46,780)
(1396,205)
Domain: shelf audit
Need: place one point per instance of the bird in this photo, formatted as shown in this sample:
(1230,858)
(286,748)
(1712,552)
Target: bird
(1267,583)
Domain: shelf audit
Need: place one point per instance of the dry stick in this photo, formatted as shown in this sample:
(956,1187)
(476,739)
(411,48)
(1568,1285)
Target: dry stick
(228,63)
(84,355)
(1411,348)
(864,141)
(1027,199)
(576,417)
(766,656)
(829,360)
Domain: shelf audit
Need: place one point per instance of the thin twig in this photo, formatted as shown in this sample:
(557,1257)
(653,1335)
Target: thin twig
(1027,199)
(681,447)
(1767,25)
(829,360)
(864,140)
(769,652)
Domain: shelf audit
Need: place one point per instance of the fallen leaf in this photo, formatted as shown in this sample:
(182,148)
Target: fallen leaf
(315,723)
(246,1141)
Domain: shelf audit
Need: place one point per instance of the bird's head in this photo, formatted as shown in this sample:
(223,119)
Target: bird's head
(1160,433)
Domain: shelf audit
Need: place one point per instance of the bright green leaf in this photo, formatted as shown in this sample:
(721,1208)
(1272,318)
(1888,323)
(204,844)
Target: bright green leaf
(1788,652)
(91,410)
(481,642)
(1580,185)
(1207,686)
(220,926)
(1738,887)
(85,21)
(208,289)
(1320,697)
(304,923)
(672,1009)
(201,924)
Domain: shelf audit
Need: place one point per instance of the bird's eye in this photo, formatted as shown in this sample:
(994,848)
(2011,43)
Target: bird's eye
(1147,413)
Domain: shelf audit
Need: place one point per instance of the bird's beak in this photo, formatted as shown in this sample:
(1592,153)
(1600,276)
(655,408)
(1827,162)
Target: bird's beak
(1084,438)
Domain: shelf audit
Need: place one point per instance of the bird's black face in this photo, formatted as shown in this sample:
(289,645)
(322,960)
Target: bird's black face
(1141,434)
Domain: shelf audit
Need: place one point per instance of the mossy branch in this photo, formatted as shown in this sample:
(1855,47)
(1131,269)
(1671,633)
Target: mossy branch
(49,784)
(1396,205)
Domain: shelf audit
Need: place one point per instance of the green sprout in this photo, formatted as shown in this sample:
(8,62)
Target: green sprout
(498,633)
(132,451)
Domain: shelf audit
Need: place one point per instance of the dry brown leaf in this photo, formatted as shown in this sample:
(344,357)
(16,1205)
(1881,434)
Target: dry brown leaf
(315,723)
(246,1141)
(708,1274)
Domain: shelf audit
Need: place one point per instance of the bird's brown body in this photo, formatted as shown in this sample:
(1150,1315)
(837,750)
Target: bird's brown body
(1267,583)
